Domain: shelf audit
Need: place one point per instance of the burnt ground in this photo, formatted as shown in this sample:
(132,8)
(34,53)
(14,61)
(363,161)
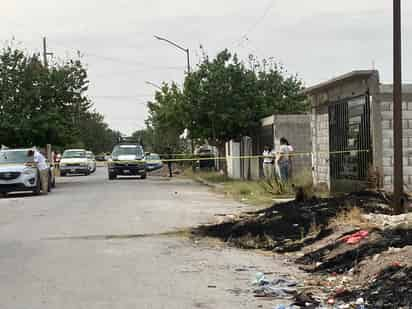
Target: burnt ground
(377,268)
(286,227)
(340,257)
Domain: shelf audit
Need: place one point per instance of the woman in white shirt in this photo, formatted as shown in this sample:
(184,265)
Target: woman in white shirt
(283,161)
(268,162)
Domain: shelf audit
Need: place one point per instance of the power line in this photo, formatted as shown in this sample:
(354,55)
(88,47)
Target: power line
(124,61)
(266,12)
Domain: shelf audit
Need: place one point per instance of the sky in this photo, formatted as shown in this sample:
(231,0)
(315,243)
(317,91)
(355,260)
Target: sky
(316,39)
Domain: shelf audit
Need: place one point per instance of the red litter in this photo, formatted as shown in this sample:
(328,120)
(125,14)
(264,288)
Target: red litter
(356,237)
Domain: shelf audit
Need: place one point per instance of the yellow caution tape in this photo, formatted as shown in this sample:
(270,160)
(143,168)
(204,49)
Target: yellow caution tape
(294,154)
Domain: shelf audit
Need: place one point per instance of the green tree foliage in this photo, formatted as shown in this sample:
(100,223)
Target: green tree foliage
(146,138)
(166,121)
(226,99)
(95,133)
(47,105)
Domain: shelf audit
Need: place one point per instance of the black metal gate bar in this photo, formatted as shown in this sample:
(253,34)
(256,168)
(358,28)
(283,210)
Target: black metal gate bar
(350,141)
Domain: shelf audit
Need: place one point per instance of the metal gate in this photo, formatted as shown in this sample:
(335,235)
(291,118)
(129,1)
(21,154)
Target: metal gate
(350,143)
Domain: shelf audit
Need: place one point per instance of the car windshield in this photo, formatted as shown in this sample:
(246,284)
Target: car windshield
(153,157)
(13,156)
(128,150)
(74,154)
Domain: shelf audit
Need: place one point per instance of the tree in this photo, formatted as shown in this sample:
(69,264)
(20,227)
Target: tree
(38,104)
(146,138)
(166,118)
(224,99)
(95,134)
(48,105)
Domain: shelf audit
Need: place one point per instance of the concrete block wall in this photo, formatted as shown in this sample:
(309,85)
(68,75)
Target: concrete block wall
(386,108)
(232,160)
(320,146)
(297,130)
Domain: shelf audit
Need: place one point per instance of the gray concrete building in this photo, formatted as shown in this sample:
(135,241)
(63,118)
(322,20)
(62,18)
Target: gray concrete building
(352,129)
(296,128)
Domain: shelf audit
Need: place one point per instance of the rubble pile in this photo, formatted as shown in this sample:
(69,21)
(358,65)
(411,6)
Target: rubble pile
(391,289)
(357,264)
(340,257)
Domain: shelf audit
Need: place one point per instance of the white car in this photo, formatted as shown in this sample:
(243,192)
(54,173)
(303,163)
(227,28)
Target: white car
(74,161)
(18,176)
(92,161)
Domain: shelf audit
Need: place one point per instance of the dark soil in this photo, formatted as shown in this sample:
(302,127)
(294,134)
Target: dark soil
(392,289)
(284,227)
(340,257)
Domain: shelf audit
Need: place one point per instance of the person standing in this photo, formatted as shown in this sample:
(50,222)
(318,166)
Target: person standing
(40,161)
(268,162)
(283,161)
(169,156)
(290,154)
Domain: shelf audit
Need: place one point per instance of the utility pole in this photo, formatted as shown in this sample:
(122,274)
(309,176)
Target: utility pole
(397,109)
(45,53)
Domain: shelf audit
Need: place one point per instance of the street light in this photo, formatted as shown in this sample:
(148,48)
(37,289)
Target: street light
(186,50)
(397,109)
(154,85)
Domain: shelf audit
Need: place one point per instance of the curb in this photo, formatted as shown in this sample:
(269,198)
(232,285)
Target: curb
(206,183)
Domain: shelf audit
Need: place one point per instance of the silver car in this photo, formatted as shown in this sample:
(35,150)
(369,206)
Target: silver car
(18,176)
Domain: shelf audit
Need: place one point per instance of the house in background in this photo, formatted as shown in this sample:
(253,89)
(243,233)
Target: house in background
(241,159)
(352,132)
(296,128)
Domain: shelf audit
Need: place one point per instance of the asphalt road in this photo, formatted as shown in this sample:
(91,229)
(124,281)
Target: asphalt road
(94,243)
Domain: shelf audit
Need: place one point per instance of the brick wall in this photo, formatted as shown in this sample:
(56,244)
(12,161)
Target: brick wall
(296,129)
(386,108)
(320,144)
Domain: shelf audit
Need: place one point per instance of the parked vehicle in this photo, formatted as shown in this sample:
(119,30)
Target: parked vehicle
(52,174)
(206,155)
(17,175)
(74,161)
(92,161)
(101,157)
(127,160)
(153,162)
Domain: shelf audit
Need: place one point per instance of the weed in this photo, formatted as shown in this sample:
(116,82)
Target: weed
(352,217)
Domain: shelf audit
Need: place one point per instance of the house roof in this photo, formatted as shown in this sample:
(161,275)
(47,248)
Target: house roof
(339,79)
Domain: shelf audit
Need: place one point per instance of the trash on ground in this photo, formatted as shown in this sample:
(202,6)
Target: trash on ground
(279,287)
(355,237)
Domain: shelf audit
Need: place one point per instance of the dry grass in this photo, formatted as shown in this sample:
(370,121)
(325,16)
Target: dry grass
(213,177)
(352,217)
(250,192)
(314,229)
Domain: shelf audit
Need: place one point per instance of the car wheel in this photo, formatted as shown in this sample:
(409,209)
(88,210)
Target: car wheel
(37,191)
(4,194)
(49,185)
(87,173)
(143,176)
(112,176)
